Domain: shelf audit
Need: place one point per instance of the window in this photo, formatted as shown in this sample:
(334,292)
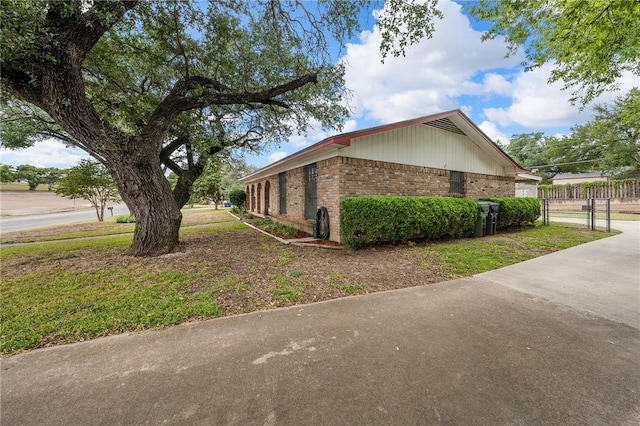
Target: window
(282,191)
(456,183)
(310,191)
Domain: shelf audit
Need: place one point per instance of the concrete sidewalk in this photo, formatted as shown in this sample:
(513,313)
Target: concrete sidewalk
(470,351)
(601,277)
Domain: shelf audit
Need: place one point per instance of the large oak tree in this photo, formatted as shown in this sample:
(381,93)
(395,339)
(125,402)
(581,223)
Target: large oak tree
(145,86)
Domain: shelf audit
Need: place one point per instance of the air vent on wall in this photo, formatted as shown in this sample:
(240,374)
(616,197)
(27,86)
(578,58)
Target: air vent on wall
(445,124)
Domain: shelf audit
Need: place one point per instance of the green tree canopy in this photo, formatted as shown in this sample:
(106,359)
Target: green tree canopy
(528,149)
(591,43)
(7,173)
(33,175)
(51,176)
(91,181)
(610,142)
(208,187)
(149,85)
(231,172)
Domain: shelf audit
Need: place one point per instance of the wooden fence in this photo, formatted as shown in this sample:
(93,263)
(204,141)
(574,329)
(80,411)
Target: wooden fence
(625,189)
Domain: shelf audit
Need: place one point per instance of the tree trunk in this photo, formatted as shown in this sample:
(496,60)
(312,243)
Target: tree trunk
(148,195)
(101,214)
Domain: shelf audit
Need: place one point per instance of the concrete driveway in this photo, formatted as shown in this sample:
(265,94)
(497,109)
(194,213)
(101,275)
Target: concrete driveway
(601,277)
(480,350)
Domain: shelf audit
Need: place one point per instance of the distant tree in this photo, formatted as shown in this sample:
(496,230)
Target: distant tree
(591,43)
(51,176)
(528,149)
(33,175)
(610,142)
(238,197)
(7,173)
(231,171)
(91,181)
(208,187)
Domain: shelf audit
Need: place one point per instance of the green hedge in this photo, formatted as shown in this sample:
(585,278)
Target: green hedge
(125,219)
(372,220)
(516,211)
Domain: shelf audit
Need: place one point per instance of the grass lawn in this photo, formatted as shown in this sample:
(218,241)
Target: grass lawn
(21,186)
(93,228)
(73,290)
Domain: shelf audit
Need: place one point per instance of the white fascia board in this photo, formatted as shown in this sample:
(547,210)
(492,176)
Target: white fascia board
(312,157)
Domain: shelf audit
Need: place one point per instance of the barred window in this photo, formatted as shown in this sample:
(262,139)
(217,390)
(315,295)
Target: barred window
(456,183)
(282,191)
(311,190)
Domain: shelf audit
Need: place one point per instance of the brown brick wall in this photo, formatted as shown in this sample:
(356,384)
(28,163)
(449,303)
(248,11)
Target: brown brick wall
(329,193)
(478,186)
(368,177)
(342,177)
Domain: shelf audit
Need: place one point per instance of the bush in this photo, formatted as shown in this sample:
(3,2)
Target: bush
(125,218)
(516,211)
(237,197)
(276,228)
(388,219)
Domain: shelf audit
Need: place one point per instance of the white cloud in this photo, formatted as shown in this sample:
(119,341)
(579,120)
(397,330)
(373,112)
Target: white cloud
(350,126)
(493,132)
(431,75)
(46,153)
(277,155)
(539,105)
(536,103)
(497,83)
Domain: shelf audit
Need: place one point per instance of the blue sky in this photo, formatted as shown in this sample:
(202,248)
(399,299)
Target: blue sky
(454,69)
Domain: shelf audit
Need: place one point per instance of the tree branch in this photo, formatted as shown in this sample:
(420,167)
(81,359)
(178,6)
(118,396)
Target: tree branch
(172,165)
(214,93)
(91,25)
(172,146)
(18,84)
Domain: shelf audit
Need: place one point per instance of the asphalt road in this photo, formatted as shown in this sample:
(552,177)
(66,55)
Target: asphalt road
(22,223)
(475,351)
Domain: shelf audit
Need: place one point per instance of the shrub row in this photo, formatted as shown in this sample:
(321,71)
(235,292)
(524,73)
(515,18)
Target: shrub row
(516,211)
(125,219)
(372,220)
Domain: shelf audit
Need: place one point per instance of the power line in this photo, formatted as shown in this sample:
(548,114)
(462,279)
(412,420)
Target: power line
(561,164)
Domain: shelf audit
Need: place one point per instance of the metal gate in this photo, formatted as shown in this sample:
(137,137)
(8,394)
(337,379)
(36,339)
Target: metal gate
(310,191)
(588,210)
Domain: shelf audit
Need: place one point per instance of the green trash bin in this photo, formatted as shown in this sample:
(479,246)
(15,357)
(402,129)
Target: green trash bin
(481,222)
(492,221)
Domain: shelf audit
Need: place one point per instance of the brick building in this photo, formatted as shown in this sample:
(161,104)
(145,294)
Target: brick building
(439,155)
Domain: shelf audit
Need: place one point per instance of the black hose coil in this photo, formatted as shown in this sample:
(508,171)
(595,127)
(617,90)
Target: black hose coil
(321,227)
